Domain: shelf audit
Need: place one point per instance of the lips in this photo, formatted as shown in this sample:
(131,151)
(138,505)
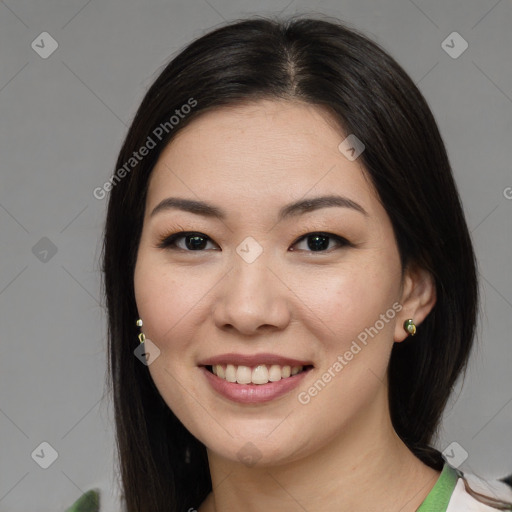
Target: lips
(251,392)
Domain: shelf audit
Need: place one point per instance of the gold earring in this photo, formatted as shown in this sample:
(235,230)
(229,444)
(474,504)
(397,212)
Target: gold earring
(142,337)
(410,326)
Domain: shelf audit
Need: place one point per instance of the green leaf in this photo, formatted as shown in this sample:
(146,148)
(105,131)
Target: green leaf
(88,502)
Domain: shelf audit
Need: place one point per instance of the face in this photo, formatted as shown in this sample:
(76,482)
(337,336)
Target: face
(265,287)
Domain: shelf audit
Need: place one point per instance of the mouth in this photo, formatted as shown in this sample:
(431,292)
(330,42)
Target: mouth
(253,385)
(259,374)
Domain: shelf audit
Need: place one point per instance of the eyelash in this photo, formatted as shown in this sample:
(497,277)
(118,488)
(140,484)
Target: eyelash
(169,241)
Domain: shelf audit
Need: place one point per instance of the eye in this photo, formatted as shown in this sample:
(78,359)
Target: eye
(319,241)
(195,241)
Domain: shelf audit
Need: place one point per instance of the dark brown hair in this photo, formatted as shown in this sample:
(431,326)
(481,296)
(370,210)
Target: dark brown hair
(320,62)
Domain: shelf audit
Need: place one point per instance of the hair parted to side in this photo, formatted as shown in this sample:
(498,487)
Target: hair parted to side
(321,62)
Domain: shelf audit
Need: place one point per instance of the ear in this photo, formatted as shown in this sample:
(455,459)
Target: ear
(417,299)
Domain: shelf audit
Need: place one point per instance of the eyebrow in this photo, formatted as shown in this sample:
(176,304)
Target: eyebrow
(290,210)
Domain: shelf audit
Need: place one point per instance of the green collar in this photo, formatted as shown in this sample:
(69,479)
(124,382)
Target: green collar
(439,497)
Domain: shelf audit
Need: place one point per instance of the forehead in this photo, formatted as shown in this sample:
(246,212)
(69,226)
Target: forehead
(264,151)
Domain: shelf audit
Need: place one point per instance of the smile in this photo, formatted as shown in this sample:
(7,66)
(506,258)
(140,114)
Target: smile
(259,374)
(251,393)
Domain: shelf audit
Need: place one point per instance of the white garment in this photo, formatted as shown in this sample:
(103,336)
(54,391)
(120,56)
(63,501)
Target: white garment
(462,501)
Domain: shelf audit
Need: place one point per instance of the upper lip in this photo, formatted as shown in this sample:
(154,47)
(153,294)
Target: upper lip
(253,360)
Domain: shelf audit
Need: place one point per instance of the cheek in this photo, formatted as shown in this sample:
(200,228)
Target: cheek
(349,301)
(357,311)
(165,298)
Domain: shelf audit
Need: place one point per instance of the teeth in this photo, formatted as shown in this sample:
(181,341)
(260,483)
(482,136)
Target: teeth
(275,373)
(260,374)
(243,375)
(230,372)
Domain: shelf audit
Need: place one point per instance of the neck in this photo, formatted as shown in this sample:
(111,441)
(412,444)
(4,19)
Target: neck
(365,467)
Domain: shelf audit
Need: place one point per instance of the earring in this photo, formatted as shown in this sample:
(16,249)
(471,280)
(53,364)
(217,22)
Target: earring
(410,326)
(142,337)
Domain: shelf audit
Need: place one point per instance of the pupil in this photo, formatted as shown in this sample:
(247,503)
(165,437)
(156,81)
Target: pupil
(315,242)
(318,244)
(196,242)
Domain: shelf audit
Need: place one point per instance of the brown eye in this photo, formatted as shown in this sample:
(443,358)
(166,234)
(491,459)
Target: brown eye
(319,242)
(193,241)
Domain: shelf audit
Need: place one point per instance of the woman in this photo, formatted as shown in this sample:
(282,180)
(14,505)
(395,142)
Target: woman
(285,239)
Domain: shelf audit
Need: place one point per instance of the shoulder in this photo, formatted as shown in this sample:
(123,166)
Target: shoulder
(88,502)
(464,501)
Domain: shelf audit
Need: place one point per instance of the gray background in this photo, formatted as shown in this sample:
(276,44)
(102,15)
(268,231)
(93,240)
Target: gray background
(62,120)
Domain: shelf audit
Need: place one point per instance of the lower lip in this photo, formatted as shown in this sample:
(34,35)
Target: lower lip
(253,393)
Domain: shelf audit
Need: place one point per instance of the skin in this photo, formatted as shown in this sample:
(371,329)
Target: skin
(339,452)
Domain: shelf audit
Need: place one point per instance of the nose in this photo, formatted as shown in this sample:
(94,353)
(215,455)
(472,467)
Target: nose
(252,299)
